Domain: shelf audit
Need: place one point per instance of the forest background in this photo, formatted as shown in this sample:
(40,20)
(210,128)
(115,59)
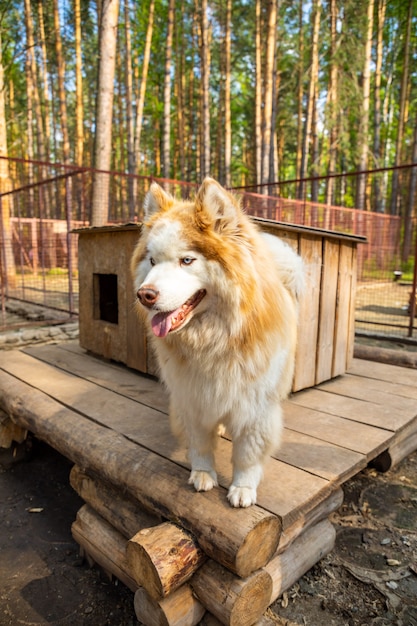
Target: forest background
(251,92)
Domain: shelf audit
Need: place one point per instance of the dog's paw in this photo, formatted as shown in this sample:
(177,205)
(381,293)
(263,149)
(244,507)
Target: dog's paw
(241,496)
(202,480)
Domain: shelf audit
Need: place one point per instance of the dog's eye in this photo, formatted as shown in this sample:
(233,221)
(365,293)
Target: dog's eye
(187,260)
(152,261)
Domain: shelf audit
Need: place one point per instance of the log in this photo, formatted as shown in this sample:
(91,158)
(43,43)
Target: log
(163,558)
(233,601)
(9,431)
(121,510)
(105,545)
(286,568)
(404,443)
(180,608)
(386,355)
(318,513)
(243,540)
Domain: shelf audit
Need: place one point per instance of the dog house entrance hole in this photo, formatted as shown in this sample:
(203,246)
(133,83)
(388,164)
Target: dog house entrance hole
(106,306)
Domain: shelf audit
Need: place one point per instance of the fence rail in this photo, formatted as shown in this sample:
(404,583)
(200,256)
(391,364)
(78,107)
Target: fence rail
(39,212)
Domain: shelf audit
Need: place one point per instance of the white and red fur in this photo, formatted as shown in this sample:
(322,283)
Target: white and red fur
(220,301)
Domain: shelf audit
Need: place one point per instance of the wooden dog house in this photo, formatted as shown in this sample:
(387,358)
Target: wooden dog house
(109,326)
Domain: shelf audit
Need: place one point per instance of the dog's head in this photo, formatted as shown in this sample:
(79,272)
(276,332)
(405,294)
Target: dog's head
(181,253)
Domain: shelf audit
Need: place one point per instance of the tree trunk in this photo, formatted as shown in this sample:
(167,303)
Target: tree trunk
(166,141)
(79,112)
(258,94)
(300,91)
(103,136)
(131,162)
(79,109)
(7,264)
(363,146)
(311,93)
(45,82)
(205,94)
(268,92)
(180,93)
(409,208)
(142,89)
(382,4)
(332,102)
(61,85)
(227,113)
(395,195)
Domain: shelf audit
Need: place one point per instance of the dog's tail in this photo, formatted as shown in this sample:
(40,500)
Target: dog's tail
(290,265)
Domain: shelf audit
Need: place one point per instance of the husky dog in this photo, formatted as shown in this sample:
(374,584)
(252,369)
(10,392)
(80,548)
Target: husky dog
(220,301)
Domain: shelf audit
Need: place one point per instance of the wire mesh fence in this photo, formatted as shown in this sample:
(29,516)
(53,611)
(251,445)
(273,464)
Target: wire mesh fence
(45,203)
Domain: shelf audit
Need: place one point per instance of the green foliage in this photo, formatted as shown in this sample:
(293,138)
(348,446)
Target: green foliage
(351,34)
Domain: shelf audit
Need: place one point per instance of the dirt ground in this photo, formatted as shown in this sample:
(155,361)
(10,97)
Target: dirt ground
(370,578)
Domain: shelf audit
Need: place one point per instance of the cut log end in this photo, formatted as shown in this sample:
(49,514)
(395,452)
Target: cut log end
(259,546)
(234,601)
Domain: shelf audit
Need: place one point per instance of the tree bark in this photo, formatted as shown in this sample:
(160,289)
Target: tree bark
(166,141)
(363,146)
(102,153)
(7,264)
(382,4)
(395,195)
(142,89)
(258,94)
(227,112)
(332,103)
(300,91)
(205,94)
(131,161)
(311,95)
(409,207)
(268,92)
(61,85)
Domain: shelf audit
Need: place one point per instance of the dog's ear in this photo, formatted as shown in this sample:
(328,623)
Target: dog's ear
(156,200)
(216,207)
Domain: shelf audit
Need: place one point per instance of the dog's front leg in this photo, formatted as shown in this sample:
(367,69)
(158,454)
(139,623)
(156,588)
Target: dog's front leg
(251,447)
(201,455)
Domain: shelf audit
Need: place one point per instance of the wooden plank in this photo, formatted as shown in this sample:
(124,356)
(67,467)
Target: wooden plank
(318,457)
(327,314)
(150,429)
(353,286)
(319,513)
(340,431)
(357,410)
(343,310)
(382,393)
(248,537)
(305,363)
(383,371)
(396,389)
(403,444)
(71,358)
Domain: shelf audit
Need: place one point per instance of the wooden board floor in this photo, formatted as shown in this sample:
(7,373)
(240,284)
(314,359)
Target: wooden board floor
(331,431)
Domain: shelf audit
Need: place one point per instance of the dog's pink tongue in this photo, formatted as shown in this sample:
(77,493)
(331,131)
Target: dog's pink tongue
(161,324)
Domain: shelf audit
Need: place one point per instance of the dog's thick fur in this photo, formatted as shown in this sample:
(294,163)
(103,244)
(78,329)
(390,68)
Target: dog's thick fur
(220,301)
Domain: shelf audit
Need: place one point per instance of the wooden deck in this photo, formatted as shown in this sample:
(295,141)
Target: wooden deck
(92,411)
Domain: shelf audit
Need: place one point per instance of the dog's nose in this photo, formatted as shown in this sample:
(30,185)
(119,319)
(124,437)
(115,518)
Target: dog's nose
(147,295)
